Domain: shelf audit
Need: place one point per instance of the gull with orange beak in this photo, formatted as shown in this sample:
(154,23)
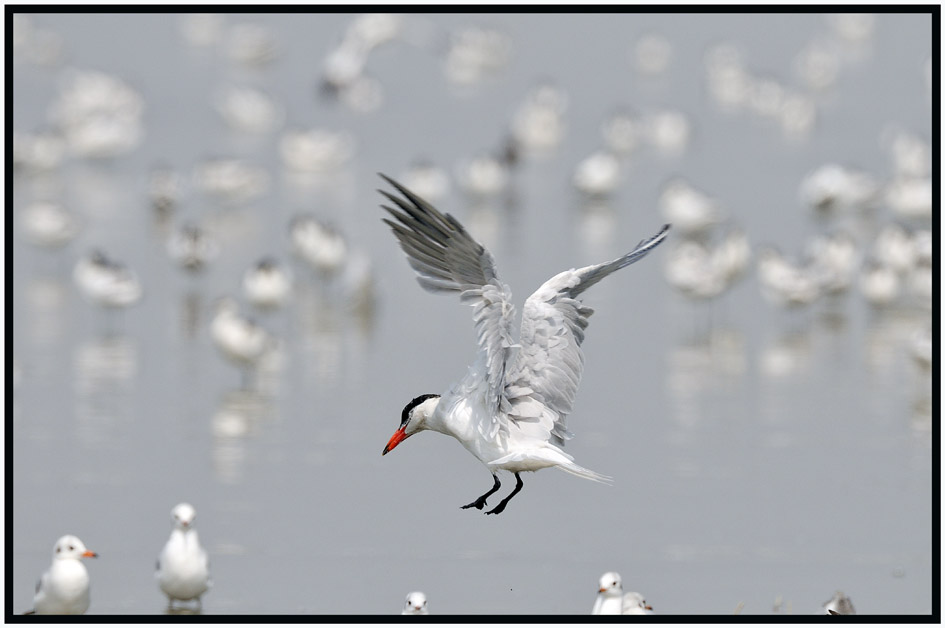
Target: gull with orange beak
(64,587)
(509,410)
(611,600)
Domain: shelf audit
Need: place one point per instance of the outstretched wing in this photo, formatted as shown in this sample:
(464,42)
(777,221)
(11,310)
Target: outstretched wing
(543,379)
(447,259)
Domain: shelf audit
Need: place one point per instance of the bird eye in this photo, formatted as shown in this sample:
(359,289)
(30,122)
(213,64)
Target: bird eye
(58,549)
(71,548)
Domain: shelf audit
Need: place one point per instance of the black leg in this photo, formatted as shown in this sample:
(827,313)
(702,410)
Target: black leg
(481,502)
(518,486)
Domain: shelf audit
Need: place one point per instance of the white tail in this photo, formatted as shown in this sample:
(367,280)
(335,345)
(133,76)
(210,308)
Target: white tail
(587,474)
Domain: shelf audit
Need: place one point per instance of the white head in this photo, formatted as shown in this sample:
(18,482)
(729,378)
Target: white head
(183,515)
(634,604)
(70,547)
(416,604)
(610,584)
(413,419)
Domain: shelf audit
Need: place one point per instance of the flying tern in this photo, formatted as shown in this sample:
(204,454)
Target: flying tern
(510,409)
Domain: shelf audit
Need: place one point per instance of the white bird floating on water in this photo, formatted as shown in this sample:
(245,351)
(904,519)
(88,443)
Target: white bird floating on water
(509,410)
(183,568)
(106,282)
(64,587)
(415,604)
(611,600)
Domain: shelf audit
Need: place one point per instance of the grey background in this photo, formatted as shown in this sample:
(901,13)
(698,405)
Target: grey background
(730,485)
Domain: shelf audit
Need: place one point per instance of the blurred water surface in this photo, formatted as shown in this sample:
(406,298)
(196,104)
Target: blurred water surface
(757,453)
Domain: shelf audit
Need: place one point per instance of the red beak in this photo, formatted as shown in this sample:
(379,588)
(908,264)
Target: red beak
(398,436)
(90,554)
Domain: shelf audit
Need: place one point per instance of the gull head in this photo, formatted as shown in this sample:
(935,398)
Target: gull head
(183,515)
(611,584)
(70,547)
(416,604)
(635,604)
(413,419)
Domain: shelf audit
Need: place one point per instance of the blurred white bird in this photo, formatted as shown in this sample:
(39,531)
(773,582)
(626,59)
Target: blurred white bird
(482,176)
(428,180)
(879,284)
(48,224)
(833,186)
(835,258)
(611,600)
(183,568)
(509,410)
(268,284)
(241,340)
(415,604)
(785,284)
(318,243)
(597,174)
(688,208)
(106,282)
(64,587)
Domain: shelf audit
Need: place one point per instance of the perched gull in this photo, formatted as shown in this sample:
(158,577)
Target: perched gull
(48,224)
(509,410)
(183,568)
(320,244)
(64,588)
(106,282)
(415,604)
(267,284)
(611,600)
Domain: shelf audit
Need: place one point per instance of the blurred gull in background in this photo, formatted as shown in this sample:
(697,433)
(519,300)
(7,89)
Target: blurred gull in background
(267,284)
(319,244)
(231,180)
(106,282)
(48,224)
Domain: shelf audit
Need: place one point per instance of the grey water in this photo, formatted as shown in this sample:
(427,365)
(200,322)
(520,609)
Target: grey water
(757,454)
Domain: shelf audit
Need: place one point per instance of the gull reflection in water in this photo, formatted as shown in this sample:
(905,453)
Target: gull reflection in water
(787,355)
(336,324)
(47,300)
(237,417)
(104,371)
(713,361)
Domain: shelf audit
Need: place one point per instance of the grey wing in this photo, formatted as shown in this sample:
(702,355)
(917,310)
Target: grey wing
(544,378)
(447,259)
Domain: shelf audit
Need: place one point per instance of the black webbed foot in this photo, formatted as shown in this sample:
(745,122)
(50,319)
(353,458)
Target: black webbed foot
(480,503)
